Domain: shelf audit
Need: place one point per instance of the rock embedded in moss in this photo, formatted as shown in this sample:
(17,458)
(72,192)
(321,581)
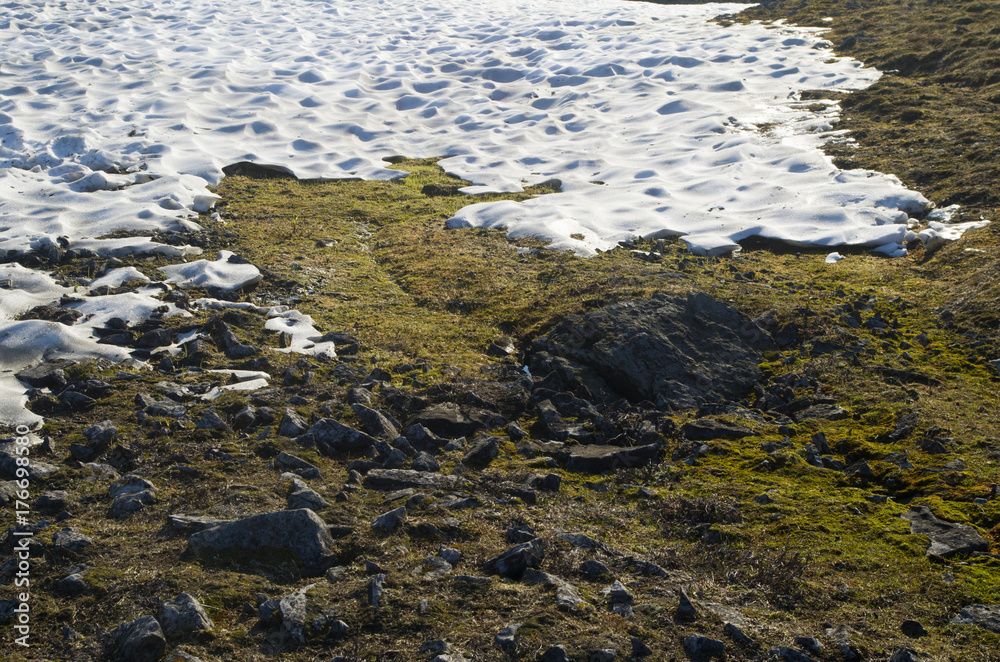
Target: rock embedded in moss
(299,533)
(675,351)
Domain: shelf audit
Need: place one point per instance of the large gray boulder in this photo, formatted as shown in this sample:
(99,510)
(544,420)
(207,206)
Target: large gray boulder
(671,350)
(947,538)
(298,533)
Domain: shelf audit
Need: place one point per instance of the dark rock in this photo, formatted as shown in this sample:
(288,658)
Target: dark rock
(810,644)
(72,584)
(140,640)
(482,453)
(245,418)
(699,648)
(555,654)
(399,479)
(300,533)
(827,412)
(520,534)
(639,649)
(685,609)
(333,437)
(70,540)
(985,616)
(598,459)
(167,408)
(671,350)
(423,439)
(296,465)
(548,482)
(155,338)
(947,538)
(517,559)
(786,654)
(705,429)
(912,629)
(376,587)
(388,522)
(375,422)
(906,655)
(739,637)
(194,523)
(210,420)
(425,462)
(450,420)
(506,639)
(292,425)
(182,615)
(594,569)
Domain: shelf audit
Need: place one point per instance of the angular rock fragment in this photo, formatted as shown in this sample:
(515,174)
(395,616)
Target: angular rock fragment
(183,615)
(300,534)
(947,538)
(398,479)
(517,559)
(140,640)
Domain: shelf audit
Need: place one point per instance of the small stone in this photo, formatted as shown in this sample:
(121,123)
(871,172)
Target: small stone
(810,644)
(506,639)
(700,648)
(140,640)
(594,569)
(685,609)
(70,540)
(739,637)
(338,629)
(517,559)
(182,615)
(603,655)
(388,522)
(435,647)
(912,629)
(639,649)
(72,584)
(335,574)
(555,654)
(906,655)
(376,587)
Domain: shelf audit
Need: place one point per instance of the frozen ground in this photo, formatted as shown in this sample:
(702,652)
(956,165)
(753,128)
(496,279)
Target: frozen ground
(117,115)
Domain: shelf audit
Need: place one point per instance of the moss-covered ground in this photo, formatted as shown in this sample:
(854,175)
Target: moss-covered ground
(373,259)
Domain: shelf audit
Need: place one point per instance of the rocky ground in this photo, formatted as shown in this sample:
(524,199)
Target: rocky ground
(518,454)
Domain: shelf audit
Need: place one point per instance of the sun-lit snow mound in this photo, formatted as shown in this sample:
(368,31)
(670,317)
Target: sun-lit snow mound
(116,116)
(227,272)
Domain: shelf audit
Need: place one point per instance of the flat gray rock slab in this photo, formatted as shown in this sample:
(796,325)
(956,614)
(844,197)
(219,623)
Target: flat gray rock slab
(300,533)
(985,616)
(947,538)
(598,459)
(400,479)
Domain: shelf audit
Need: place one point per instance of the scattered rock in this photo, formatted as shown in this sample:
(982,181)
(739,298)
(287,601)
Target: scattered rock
(947,538)
(292,425)
(299,533)
(985,616)
(140,640)
(296,465)
(70,540)
(685,609)
(376,587)
(598,459)
(671,350)
(182,615)
(706,429)
(334,438)
(786,654)
(482,453)
(912,629)
(375,422)
(399,479)
(506,639)
(517,559)
(388,522)
(700,648)
(739,637)
(555,653)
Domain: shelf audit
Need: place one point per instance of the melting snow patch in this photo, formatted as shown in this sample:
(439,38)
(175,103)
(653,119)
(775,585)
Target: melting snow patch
(833,258)
(227,273)
(118,277)
(302,337)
